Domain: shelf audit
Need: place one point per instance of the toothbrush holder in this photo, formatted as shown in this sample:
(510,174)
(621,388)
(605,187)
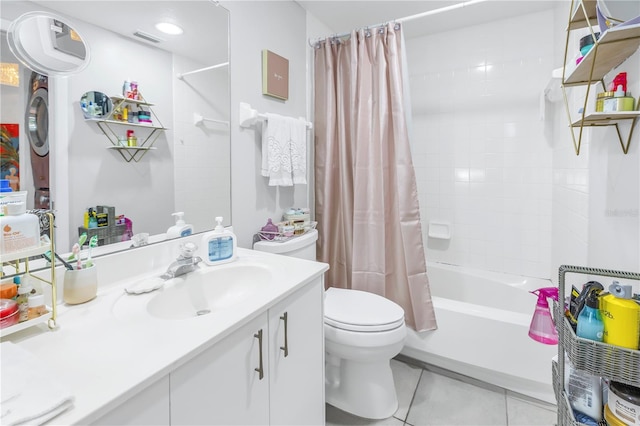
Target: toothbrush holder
(80,285)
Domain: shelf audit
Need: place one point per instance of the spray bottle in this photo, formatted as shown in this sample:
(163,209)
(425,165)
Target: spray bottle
(542,328)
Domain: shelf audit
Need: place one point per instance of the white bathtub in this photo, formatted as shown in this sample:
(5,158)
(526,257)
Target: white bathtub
(483,320)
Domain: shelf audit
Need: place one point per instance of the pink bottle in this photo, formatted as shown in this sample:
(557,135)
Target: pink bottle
(542,328)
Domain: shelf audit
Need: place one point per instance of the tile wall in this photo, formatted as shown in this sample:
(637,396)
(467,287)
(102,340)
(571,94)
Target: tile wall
(481,150)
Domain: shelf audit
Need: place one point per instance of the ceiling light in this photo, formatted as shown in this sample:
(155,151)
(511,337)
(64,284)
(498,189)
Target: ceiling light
(169,28)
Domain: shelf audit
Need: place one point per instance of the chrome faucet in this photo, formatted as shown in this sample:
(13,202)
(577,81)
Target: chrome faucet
(185,263)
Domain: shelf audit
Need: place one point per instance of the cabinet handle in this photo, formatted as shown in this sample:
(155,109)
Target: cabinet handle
(260,368)
(285,348)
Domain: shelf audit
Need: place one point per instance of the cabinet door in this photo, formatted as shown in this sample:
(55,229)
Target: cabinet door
(296,378)
(221,386)
(149,407)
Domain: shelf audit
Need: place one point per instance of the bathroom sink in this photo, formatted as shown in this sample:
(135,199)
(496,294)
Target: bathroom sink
(204,291)
(208,290)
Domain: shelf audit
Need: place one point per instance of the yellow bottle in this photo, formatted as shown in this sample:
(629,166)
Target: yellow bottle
(621,317)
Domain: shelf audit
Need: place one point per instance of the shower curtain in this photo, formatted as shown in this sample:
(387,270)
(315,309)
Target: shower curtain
(366,197)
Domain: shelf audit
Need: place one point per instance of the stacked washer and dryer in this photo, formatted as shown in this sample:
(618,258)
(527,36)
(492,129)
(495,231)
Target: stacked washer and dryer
(363,331)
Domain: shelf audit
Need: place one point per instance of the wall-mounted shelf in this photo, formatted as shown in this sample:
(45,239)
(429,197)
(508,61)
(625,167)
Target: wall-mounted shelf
(614,46)
(113,128)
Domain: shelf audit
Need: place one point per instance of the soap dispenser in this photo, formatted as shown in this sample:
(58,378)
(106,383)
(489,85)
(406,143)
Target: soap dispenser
(219,246)
(180,229)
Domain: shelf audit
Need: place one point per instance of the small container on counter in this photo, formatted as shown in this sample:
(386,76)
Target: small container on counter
(8,290)
(9,313)
(37,307)
(624,403)
(600,100)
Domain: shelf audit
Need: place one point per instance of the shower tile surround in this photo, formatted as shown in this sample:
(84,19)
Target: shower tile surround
(429,396)
(479,149)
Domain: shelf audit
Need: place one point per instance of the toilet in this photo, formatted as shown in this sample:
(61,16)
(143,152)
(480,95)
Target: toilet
(362,331)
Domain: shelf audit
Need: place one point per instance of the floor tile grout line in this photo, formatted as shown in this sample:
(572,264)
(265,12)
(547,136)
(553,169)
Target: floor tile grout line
(413,397)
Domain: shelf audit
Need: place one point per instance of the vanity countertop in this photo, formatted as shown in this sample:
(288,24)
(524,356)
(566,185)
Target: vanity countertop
(104,355)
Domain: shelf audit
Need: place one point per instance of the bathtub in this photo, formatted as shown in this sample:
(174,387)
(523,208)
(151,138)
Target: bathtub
(483,320)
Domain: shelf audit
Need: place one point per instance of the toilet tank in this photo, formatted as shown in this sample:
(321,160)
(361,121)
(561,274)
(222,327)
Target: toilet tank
(303,247)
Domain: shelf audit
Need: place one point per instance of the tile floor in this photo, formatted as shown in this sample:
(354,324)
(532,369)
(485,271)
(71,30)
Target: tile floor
(430,396)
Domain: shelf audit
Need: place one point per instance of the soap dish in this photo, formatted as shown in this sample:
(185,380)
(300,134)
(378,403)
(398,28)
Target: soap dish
(146,285)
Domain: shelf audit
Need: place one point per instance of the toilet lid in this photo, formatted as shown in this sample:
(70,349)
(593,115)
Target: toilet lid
(360,311)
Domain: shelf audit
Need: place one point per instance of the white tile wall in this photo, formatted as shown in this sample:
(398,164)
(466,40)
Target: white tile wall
(479,149)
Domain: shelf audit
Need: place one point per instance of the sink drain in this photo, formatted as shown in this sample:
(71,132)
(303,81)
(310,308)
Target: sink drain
(203,312)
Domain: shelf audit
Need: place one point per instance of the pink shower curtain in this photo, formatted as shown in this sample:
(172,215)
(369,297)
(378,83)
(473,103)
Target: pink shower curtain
(365,187)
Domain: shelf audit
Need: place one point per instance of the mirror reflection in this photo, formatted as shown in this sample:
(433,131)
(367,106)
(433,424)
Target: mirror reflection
(47,44)
(95,104)
(187,166)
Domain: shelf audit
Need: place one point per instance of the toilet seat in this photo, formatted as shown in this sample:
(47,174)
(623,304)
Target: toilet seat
(361,311)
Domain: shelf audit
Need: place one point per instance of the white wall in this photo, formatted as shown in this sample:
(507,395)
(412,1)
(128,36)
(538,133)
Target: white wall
(143,191)
(519,198)
(201,152)
(596,204)
(278,26)
(479,150)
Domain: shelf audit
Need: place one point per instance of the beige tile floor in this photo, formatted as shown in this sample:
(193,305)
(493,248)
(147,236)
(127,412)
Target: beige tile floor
(428,396)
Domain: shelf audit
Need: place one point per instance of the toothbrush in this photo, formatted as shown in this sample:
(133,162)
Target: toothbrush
(82,239)
(66,264)
(80,243)
(76,253)
(93,242)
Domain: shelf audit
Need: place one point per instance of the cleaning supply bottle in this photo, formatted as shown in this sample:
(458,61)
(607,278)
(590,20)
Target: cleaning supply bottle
(590,325)
(621,317)
(180,229)
(219,246)
(542,328)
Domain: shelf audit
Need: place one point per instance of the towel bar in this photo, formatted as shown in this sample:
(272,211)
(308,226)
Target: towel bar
(248,116)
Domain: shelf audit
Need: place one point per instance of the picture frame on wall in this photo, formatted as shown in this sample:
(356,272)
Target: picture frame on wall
(10,145)
(275,75)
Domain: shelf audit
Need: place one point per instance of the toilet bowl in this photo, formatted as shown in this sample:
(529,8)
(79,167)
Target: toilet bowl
(363,331)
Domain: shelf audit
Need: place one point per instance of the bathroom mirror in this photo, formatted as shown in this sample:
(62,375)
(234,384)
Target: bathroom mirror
(181,76)
(47,44)
(95,104)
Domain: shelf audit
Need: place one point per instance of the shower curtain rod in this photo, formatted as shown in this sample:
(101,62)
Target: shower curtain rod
(409,18)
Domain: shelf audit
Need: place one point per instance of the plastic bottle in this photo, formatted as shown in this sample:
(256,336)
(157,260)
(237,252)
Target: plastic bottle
(180,229)
(18,230)
(132,140)
(24,290)
(621,317)
(219,246)
(542,328)
(590,325)
(584,391)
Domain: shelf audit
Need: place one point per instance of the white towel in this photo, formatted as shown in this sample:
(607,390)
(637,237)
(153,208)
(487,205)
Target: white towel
(276,150)
(30,395)
(284,150)
(299,150)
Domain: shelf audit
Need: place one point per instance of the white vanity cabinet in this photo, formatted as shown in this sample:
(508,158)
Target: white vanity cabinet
(224,385)
(296,381)
(149,407)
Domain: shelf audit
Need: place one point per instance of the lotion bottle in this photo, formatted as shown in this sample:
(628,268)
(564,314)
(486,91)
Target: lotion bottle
(590,325)
(180,229)
(219,246)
